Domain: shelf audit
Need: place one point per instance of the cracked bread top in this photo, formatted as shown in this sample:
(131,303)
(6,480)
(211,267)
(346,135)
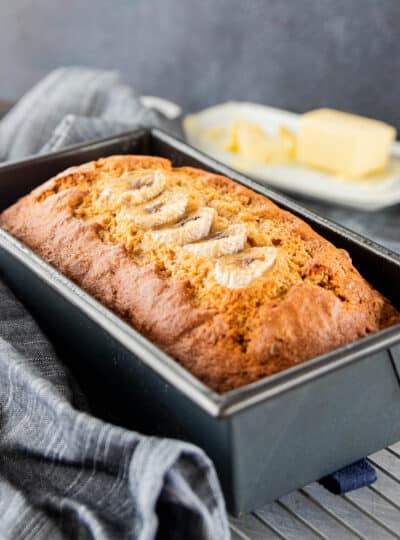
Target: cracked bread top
(226,282)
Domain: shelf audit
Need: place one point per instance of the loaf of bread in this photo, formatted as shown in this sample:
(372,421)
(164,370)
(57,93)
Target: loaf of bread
(218,276)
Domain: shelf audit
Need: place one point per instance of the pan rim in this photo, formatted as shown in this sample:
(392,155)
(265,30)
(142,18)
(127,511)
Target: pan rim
(234,401)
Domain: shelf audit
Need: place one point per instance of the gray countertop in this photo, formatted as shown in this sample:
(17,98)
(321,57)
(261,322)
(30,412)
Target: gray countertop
(382,226)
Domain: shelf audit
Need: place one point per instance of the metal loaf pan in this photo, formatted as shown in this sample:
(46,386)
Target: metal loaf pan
(265,439)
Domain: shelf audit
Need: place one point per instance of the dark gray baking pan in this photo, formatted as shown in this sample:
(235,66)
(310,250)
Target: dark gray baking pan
(265,439)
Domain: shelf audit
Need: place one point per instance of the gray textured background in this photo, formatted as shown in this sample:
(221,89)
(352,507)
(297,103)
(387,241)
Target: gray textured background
(295,54)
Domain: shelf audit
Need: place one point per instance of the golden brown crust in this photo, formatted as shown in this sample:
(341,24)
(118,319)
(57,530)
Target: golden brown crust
(324,305)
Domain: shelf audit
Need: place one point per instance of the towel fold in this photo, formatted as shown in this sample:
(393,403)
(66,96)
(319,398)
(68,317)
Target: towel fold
(73,105)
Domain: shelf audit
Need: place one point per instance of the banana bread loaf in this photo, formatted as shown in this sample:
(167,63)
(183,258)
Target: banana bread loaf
(230,285)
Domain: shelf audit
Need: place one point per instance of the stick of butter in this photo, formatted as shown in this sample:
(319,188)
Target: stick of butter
(342,143)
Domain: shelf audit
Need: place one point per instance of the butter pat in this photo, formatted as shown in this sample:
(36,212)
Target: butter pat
(252,144)
(342,143)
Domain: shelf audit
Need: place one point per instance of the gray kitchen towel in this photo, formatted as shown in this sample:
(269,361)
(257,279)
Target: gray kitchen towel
(69,106)
(63,472)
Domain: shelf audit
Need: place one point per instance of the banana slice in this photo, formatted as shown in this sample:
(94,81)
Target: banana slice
(165,209)
(193,227)
(143,186)
(232,240)
(239,270)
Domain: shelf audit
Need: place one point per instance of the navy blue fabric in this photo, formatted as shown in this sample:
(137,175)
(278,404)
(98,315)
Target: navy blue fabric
(354,476)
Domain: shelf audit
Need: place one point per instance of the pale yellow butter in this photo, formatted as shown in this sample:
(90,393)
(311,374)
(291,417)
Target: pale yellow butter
(342,143)
(252,144)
